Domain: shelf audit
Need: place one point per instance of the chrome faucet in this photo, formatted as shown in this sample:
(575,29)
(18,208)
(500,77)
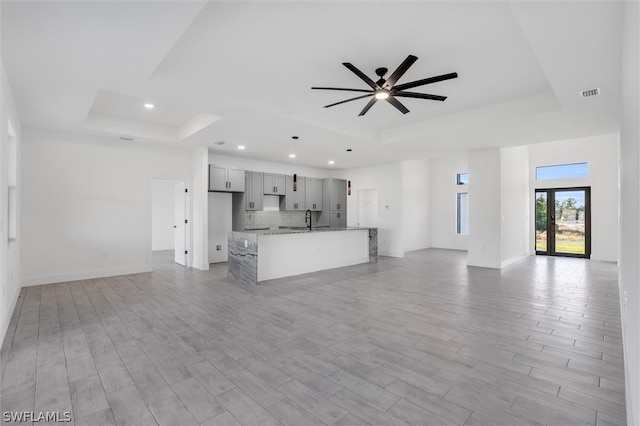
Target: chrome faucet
(307,218)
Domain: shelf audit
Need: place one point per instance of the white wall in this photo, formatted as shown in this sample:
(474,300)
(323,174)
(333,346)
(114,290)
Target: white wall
(416,203)
(387,179)
(162,214)
(9,253)
(514,204)
(86,206)
(443,191)
(601,152)
(199,253)
(484,242)
(630,210)
(268,166)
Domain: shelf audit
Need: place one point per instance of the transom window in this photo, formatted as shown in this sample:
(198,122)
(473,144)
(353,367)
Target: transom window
(462,179)
(562,171)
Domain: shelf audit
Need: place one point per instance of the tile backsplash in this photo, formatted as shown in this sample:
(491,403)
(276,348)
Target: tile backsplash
(274,219)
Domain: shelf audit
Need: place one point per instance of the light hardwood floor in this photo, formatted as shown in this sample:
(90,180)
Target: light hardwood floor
(418,340)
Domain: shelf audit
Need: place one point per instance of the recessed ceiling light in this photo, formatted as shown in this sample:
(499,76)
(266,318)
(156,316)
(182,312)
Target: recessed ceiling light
(292,156)
(332,162)
(149,106)
(241,147)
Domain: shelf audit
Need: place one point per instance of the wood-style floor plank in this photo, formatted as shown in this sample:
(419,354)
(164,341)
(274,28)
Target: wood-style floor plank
(422,339)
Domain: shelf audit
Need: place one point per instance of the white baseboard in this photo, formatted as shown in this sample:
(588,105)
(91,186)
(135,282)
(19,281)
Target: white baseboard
(8,314)
(514,259)
(201,266)
(417,247)
(391,253)
(85,275)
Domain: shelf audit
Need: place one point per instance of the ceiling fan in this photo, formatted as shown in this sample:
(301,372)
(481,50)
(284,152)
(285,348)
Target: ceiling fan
(387,89)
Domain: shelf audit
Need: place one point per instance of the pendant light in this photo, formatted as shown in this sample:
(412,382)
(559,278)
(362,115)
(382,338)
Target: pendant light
(349,182)
(295,165)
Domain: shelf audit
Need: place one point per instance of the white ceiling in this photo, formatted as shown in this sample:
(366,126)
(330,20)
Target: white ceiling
(243,71)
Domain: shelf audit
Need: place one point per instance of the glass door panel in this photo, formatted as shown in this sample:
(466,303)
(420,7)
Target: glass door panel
(562,222)
(542,224)
(570,230)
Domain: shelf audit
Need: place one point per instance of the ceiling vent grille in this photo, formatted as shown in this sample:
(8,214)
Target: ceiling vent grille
(590,92)
(219,143)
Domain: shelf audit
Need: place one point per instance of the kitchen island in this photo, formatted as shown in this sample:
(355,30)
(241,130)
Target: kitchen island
(260,255)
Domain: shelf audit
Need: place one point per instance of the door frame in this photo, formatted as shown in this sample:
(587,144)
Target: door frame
(551,222)
(188,214)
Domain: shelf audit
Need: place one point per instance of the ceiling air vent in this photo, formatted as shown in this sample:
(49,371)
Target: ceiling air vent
(219,143)
(590,92)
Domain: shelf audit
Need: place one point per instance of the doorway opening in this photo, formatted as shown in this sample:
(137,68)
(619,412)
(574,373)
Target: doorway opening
(169,223)
(563,222)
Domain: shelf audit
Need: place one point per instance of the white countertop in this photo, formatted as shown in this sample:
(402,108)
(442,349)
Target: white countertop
(300,230)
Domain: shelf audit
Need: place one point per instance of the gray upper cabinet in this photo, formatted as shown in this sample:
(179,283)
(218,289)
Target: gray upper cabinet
(274,184)
(314,194)
(295,200)
(226,179)
(334,211)
(253,194)
(338,196)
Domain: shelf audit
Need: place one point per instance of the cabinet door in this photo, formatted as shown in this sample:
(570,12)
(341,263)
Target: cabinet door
(338,220)
(295,200)
(257,197)
(236,179)
(314,194)
(279,183)
(339,195)
(274,184)
(218,178)
(269,187)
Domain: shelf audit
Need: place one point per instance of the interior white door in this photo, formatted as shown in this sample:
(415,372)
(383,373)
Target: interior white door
(368,208)
(180,226)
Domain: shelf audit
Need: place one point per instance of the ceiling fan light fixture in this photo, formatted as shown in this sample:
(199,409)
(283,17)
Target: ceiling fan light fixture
(387,89)
(381,94)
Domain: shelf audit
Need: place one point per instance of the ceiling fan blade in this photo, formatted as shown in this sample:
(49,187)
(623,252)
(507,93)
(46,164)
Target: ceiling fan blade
(420,96)
(362,76)
(399,72)
(396,103)
(343,89)
(348,100)
(426,81)
(367,107)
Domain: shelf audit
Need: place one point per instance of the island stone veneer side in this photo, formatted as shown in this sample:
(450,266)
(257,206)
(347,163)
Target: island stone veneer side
(243,256)
(243,251)
(373,245)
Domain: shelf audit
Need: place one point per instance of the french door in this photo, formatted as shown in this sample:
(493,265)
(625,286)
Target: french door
(563,221)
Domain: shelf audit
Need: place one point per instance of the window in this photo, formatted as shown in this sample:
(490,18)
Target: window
(12,190)
(562,171)
(462,216)
(462,179)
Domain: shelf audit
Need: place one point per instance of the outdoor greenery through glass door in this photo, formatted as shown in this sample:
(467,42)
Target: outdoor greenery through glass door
(562,222)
